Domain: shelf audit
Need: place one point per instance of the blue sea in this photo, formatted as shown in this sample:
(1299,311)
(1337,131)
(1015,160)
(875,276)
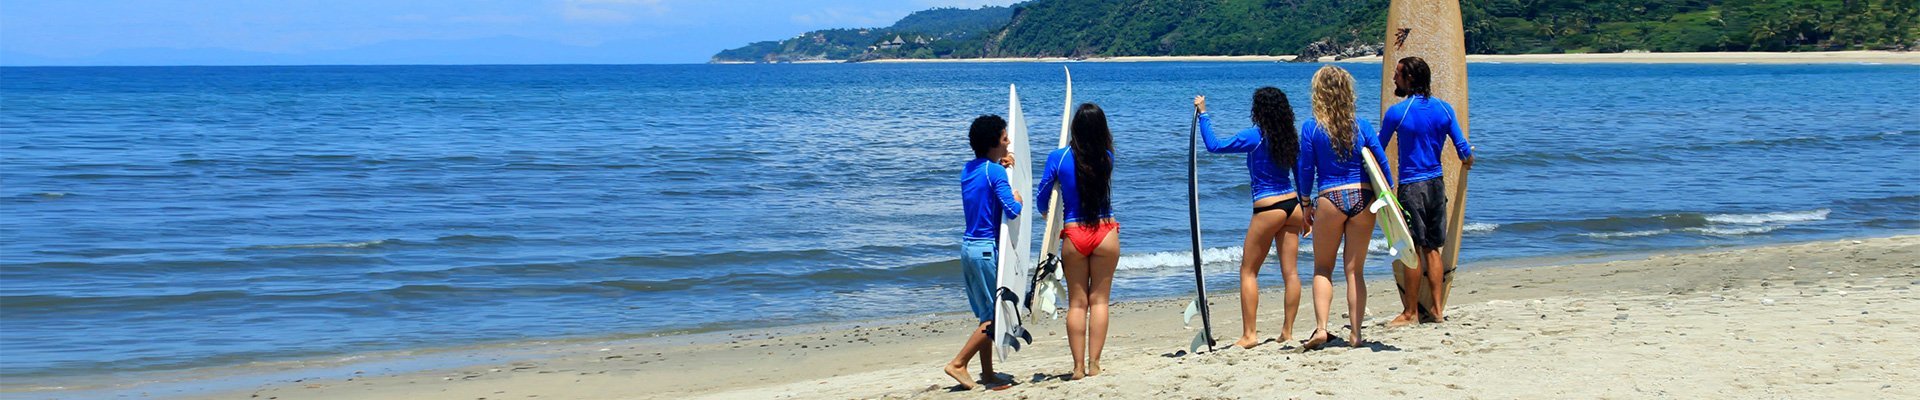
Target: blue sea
(158,219)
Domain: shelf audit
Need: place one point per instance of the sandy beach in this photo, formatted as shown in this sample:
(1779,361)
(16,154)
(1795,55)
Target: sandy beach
(1831,319)
(1834,57)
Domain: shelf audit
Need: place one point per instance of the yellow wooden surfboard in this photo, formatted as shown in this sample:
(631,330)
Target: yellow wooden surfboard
(1431,30)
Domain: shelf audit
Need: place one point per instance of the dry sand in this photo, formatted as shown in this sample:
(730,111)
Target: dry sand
(1816,320)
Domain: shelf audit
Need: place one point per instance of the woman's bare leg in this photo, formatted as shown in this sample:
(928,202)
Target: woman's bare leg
(1253,254)
(1101,265)
(1289,243)
(1328,226)
(1075,266)
(1359,233)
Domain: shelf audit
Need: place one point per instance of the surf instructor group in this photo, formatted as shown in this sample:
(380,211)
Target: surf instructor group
(1307,182)
(1326,178)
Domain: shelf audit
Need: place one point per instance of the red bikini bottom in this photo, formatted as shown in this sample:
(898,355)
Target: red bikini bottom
(1087,237)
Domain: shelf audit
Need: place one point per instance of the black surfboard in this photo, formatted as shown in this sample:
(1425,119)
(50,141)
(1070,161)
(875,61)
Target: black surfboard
(1193,216)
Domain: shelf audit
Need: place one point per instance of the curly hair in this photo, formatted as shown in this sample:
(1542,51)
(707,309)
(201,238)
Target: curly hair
(1333,107)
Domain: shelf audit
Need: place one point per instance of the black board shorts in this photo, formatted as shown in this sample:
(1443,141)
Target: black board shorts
(1426,205)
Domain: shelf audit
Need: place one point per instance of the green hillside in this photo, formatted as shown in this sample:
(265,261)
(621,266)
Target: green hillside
(939,32)
(1314,28)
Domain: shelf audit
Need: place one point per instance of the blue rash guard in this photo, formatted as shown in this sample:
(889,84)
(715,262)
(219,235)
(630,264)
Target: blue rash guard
(1060,169)
(1269,180)
(1318,158)
(985,196)
(1422,121)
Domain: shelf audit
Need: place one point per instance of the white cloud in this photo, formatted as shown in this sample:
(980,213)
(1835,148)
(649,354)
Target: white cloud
(610,11)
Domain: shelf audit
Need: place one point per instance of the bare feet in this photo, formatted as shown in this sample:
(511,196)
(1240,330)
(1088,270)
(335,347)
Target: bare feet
(1314,341)
(1357,342)
(1093,368)
(1245,342)
(1404,319)
(959,374)
(1078,375)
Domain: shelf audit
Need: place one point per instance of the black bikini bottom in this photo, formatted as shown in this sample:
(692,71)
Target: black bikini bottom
(1284,205)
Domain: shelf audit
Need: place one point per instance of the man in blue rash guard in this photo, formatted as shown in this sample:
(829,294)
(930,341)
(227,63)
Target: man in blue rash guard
(987,200)
(1421,122)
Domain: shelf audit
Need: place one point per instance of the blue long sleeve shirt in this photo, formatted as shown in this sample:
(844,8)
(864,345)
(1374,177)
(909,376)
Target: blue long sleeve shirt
(1329,169)
(1268,179)
(986,196)
(1422,122)
(1060,170)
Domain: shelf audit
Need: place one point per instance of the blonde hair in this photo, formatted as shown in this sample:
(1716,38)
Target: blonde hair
(1333,107)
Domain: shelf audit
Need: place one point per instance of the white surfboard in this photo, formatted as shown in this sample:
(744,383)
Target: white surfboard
(1016,241)
(1388,214)
(1050,287)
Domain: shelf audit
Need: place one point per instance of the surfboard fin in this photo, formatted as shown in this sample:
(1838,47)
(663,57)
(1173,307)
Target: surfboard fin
(1199,340)
(1193,310)
(1045,287)
(1049,291)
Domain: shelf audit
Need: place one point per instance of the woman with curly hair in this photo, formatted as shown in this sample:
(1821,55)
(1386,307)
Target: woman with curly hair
(1330,146)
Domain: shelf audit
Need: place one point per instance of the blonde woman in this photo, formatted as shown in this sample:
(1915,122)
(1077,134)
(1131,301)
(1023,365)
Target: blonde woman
(1330,146)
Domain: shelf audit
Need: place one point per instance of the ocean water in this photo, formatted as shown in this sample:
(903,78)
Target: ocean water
(178,217)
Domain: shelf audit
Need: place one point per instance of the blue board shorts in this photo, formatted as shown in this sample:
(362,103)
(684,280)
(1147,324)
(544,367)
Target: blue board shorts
(980,263)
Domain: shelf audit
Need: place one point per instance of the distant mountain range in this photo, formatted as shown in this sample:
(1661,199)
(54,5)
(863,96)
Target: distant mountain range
(1344,28)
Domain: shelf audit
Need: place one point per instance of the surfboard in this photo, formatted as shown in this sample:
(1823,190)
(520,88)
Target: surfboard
(1199,304)
(1015,240)
(1431,30)
(1048,287)
(1388,214)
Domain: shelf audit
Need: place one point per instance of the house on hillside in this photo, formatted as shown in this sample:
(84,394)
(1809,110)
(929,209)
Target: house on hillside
(892,44)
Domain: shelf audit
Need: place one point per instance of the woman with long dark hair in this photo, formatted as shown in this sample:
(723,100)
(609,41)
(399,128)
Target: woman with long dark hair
(1330,146)
(1273,149)
(1084,171)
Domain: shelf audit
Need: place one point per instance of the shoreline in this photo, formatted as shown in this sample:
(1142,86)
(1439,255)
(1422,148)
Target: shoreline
(1830,57)
(834,350)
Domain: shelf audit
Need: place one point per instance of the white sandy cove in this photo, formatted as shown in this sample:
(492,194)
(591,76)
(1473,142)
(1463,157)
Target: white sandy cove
(1829,57)
(1836,319)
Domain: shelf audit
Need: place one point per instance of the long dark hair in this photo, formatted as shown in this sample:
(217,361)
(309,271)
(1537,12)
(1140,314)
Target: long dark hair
(1274,116)
(1092,145)
(1418,75)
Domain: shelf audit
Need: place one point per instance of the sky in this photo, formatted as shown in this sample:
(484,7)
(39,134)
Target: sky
(255,32)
